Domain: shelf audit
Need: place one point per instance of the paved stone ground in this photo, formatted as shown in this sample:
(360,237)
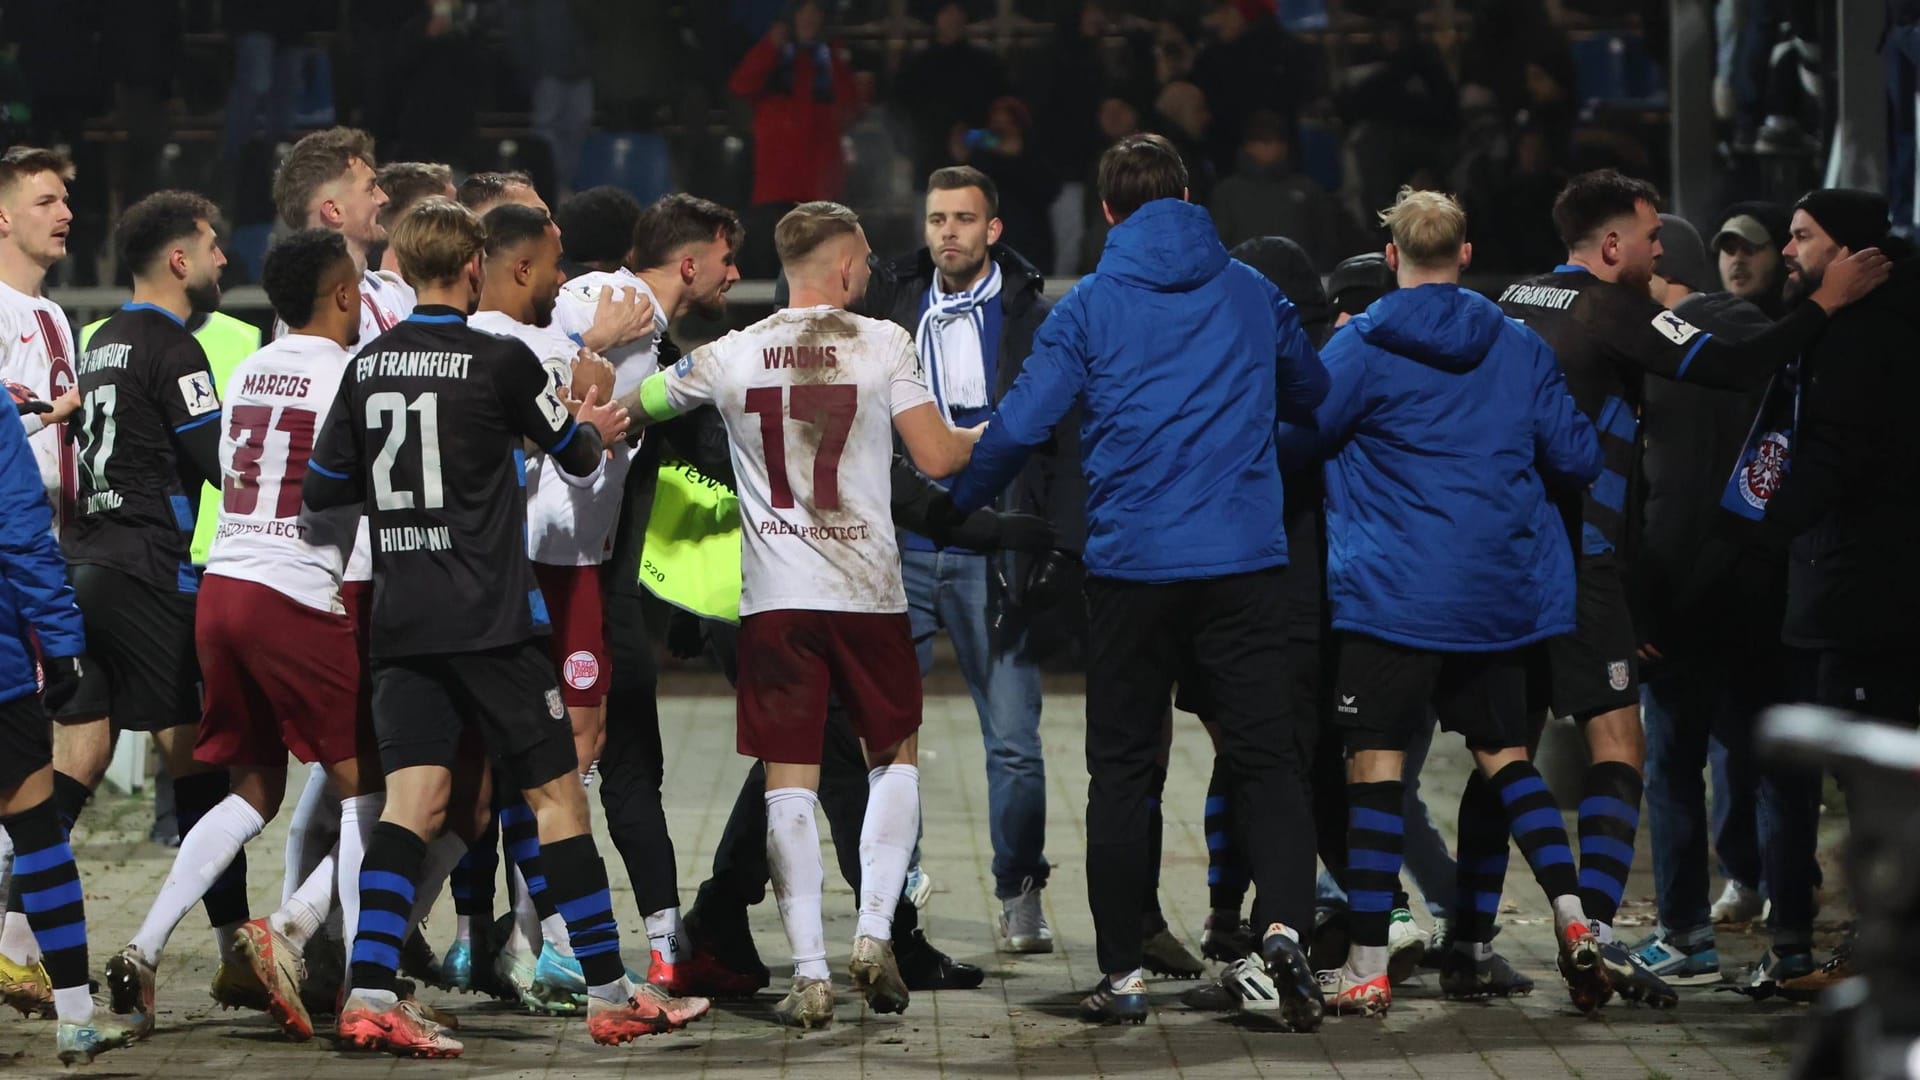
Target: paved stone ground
(1021,1023)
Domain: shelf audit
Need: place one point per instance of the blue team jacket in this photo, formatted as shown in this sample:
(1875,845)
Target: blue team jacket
(34,594)
(1445,423)
(1179,357)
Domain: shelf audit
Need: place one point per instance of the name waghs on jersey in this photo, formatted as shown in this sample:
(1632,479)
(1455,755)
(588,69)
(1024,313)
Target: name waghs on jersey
(413,364)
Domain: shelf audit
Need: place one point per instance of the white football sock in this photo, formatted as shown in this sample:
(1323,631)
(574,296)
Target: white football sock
(311,832)
(888,833)
(1566,912)
(553,934)
(205,853)
(6,863)
(793,857)
(73,1004)
(525,937)
(443,854)
(663,934)
(17,942)
(358,815)
(300,917)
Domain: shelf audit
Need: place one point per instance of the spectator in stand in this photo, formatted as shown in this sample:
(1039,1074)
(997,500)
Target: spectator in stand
(550,51)
(1027,185)
(1512,206)
(1173,55)
(1518,62)
(1117,120)
(1074,78)
(1401,110)
(437,52)
(1185,118)
(266,69)
(1266,197)
(951,82)
(802,92)
(1251,64)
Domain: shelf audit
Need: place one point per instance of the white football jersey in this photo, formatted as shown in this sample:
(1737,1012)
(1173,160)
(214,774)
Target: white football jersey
(573,314)
(570,519)
(809,396)
(36,351)
(276,399)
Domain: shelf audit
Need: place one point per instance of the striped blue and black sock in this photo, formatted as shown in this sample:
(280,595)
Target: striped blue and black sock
(1480,873)
(1376,833)
(1609,816)
(1226,873)
(50,895)
(579,887)
(522,835)
(473,877)
(388,883)
(1537,827)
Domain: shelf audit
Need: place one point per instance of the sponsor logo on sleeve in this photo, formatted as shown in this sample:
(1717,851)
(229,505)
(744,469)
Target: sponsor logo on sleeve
(581,670)
(1677,330)
(554,707)
(684,368)
(196,390)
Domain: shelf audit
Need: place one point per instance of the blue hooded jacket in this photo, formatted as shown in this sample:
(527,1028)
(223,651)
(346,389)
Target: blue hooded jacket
(1445,423)
(34,594)
(1171,348)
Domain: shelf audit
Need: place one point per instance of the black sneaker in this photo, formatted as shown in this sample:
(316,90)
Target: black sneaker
(1330,943)
(1227,938)
(925,967)
(1301,1003)
(1632,981)
(726,936)
(1214,995)
(1164,954)
(417,961)
(1110,1004)
(1464,979)
(1766,978)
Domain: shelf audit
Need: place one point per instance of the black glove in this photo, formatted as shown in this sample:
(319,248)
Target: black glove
(989,530)
(32,407)
(686,640)
(1051,580)
(67,679)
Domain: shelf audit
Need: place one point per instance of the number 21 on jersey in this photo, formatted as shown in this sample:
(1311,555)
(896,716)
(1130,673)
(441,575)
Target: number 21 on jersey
(828,406)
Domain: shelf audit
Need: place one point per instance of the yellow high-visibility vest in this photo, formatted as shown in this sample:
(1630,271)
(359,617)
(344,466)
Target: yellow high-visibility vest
(692,554)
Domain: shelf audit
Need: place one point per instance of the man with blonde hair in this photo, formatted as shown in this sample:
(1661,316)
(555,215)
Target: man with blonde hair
(427,431)
(1445,425)
(812,396)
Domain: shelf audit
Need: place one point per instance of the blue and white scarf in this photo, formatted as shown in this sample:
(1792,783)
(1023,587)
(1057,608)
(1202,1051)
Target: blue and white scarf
(949,340)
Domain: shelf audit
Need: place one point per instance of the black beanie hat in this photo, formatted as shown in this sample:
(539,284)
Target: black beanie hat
(1287,265)
(1359,281)
(1855,219)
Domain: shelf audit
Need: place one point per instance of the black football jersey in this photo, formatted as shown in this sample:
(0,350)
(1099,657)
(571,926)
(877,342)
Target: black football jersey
(144,386)
(430,421)
(1607,337)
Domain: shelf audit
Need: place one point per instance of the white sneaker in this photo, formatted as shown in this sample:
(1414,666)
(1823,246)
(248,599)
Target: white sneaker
(918,889)
(1406,946)
(1738,903)
(1023,926)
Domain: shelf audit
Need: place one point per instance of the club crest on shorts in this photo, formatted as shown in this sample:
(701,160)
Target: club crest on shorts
(1617,674)
(581,670)
(555,708)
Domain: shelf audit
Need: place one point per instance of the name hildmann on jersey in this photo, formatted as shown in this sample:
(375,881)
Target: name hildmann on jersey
(432,365)
(1545,296)
(104,357)
(815,532)
(799,356)
(414,538)
(276,385)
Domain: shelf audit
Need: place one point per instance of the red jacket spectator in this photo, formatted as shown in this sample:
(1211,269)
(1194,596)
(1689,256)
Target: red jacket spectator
(803,95)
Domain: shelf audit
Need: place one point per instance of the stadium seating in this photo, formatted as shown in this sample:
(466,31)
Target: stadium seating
(637,162)
(1614,68)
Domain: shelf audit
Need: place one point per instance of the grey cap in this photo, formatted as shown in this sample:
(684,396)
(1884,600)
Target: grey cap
(1684,260)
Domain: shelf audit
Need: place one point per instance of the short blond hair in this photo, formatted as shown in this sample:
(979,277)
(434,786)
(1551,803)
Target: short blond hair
(1428,227)
(436,240)
(809,225)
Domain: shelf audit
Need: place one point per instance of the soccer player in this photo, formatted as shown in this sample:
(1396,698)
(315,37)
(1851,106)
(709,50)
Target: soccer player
(276,638)
(811,396)
(405,184)
(482,191)
(680,260)
(1598,313)
(36,362)
(149,439)
(1443,426)
(36,604)
(427,431)
(329,181)
(520,283)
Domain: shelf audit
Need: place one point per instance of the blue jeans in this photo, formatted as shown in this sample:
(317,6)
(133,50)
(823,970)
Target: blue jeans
(265,80)
(1425,859)
(949,591)
(1682,710)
